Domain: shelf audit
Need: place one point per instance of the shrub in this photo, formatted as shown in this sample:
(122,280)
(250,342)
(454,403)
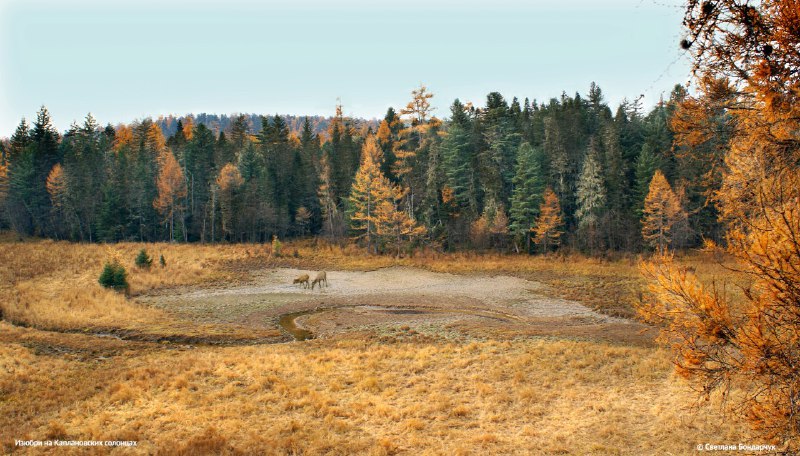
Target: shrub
(114,276)
(276,246)
(143,260)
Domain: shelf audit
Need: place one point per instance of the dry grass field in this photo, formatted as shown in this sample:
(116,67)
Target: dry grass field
(78,362)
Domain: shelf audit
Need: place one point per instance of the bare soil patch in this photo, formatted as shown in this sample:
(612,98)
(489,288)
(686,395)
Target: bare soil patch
(435,303)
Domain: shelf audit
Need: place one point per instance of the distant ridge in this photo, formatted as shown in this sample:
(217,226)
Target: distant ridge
(222,122)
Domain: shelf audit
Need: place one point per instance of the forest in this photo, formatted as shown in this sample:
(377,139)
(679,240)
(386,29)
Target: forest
(511,176)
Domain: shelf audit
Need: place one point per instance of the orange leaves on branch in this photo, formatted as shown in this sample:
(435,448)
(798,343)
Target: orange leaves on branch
(746,55)
(751,346)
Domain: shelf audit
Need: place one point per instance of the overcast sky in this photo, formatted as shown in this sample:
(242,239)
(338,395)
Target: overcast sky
(128,59)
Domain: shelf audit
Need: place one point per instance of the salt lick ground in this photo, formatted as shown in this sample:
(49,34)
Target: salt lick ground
(433,354)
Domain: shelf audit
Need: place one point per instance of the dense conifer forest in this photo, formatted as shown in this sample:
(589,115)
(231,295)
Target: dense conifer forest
(474,179)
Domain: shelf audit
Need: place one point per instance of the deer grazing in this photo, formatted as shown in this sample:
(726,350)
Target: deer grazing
(321,278)
(303,279)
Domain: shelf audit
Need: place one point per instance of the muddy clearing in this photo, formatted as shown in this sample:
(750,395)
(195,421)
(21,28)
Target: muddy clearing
(390,299)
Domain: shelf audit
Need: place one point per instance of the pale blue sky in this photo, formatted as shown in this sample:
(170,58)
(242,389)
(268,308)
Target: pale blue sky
(125,60)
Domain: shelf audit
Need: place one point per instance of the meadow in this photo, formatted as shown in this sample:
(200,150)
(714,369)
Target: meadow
(79,362)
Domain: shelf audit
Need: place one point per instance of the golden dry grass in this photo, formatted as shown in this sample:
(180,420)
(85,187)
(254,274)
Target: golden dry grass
(355,394)
(53,285)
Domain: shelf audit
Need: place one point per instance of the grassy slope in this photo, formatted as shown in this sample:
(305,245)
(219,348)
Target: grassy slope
(359,395)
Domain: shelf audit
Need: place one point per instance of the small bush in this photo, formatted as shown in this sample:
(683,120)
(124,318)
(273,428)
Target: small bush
(276,246)
(114,276)
(163,262)
(143,260)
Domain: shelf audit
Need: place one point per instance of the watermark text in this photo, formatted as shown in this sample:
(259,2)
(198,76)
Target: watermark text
(75,443)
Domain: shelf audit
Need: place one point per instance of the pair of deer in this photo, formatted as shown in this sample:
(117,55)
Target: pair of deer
(321,278)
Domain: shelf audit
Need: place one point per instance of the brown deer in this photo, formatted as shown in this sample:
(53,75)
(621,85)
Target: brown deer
(321,278)
(302,279)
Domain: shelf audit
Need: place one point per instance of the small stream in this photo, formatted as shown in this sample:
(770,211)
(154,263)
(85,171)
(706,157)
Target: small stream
(287,322)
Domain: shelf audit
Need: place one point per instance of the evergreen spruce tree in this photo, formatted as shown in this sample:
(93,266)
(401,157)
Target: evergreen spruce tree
(458,157)
(112,218)
(311,155)
(239,134)
(527,195)
(590,197)
(19,140)
(223,152)
(200,173)
(332,223)
(143,260)
(556,154)
(646,165)
(148,144)
(45,150)
(21,174)
(591,193)
(229,181)
(500,142)
(114,276)
(388,137)
(618,219)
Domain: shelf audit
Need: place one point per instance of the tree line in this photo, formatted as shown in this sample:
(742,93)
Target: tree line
(519,175)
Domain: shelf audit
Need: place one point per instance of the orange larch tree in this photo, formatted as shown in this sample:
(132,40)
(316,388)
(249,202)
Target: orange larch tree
(228,181)
(393,225)
(57,186)
(662,210)
(3,180)
(749,347)
(171,190)
(370,189)
(412,139)
(547,229)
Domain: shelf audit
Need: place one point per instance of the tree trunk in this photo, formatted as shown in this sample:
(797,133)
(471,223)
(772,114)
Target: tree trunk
(213,211)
